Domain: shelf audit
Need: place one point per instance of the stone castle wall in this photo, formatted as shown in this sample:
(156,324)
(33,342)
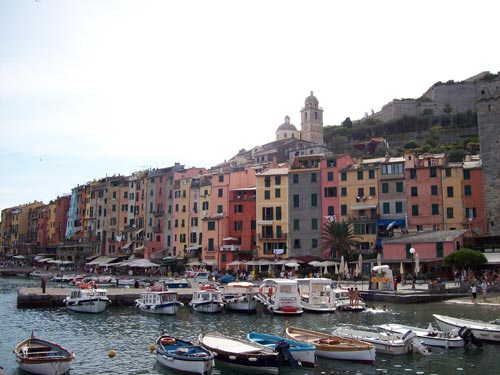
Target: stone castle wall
(488,113)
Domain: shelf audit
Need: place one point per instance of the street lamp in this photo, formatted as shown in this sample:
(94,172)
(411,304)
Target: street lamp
(412,251)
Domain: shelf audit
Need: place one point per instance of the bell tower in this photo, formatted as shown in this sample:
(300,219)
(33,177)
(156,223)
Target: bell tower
(312,121)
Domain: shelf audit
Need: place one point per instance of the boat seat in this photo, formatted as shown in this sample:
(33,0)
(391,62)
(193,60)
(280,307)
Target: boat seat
(44,353)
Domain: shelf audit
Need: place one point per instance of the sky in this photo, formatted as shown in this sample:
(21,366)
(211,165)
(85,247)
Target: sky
(90,88)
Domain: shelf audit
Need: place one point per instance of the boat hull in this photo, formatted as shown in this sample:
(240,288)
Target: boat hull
(440,338)
(241,303)
(304,353)
(91,306)
(162,309)
(184,356)
(207,307)
(383,343)
(240,354)
(484,331)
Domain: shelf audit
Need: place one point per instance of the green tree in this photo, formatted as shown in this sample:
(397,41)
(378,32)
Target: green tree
(338,237)
(347,123)
(465,258)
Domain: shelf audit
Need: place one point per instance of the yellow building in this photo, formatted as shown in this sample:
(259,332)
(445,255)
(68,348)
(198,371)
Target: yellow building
(453,192)
(272,212)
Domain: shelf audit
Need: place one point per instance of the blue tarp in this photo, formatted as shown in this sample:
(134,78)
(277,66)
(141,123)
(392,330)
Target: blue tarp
(384,223)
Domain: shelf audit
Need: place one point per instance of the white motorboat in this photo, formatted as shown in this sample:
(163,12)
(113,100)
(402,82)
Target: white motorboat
(42,274)
(430,336)
(481,330)
(316,294)
(239,296)
(43,357)
(87,300)
(207,300)
(280,296)
(384,342)
(166,303)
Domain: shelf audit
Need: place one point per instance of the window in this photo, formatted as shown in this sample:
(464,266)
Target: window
(267,213)
(386,208)
(466,174)
(470,213)
(433,171)
(413,174)
(331,210)
(343,176)
(371,174)
(221,178)
(296,243)
(314,243)
(414,210)
(435,209)
(277,193)
(434,190)
(219,208)
(314,177)
(267,181)
(343,191)
(314,224)
(296,200)
(449,191)
(314,200)
(439,250)
(399,187)
(295,178)
(330,192)
(372,191)
(360,175)
(414,191)
(211,225)
(449,212)
(267,194)
(296,224)
(448,172)
(343,210)
(361,192)
(277,180)
(329,176)
(238,226)
(211,246)
(278,213)
(385,188)
(220,193)
(467,190)
(331,163)
(399,207)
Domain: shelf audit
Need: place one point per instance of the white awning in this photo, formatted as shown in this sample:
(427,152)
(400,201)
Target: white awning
(127,245)
(195,247)
(493,258)
(101,261)
(368,206)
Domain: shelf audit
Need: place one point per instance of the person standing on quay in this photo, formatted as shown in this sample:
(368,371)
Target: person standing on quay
(484,289)
(473,289)
(44,284)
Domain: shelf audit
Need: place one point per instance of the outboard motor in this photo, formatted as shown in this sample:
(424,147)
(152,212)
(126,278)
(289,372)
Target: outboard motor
(416,343)
(466,334)
(283,348)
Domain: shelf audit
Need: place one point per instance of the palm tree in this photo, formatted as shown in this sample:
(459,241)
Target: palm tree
(339,238)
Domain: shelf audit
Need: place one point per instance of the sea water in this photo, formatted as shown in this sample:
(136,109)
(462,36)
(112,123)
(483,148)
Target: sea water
(131,333)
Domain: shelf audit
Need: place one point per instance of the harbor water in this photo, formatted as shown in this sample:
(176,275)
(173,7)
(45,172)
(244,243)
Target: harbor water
(130,333)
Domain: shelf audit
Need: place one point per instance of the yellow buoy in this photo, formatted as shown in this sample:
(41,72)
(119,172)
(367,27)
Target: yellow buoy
(111,353)
(151,347)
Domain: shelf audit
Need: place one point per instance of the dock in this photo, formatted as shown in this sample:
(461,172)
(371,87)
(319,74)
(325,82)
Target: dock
(54,297)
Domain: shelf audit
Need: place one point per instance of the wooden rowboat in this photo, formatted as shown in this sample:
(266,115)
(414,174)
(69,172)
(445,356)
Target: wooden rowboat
(334,347)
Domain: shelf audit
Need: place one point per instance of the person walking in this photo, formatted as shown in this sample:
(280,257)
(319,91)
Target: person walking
(473,290)
(484,289)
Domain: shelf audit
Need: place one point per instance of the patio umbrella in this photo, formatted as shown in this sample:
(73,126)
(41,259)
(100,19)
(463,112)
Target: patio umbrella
(379,259)
(315,263)
(292,264)
(336,269)
(346,271)
(401,268)
(417,263)
(360,264)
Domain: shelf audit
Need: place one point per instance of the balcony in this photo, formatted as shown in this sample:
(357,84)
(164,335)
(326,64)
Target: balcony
(230,248)
(364,218)
(271,236)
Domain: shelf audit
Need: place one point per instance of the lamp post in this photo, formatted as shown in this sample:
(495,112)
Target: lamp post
(412,252)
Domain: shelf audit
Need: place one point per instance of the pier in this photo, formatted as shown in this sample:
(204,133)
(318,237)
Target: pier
(54,297)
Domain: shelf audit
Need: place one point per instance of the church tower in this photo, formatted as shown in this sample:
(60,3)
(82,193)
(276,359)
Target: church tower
(312,121)
(488,118)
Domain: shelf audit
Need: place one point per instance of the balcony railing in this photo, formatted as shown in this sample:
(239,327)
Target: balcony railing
(230,248)
(359,218)
(271,236)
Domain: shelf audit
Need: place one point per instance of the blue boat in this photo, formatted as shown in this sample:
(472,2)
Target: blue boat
(183,356)
(290,351)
